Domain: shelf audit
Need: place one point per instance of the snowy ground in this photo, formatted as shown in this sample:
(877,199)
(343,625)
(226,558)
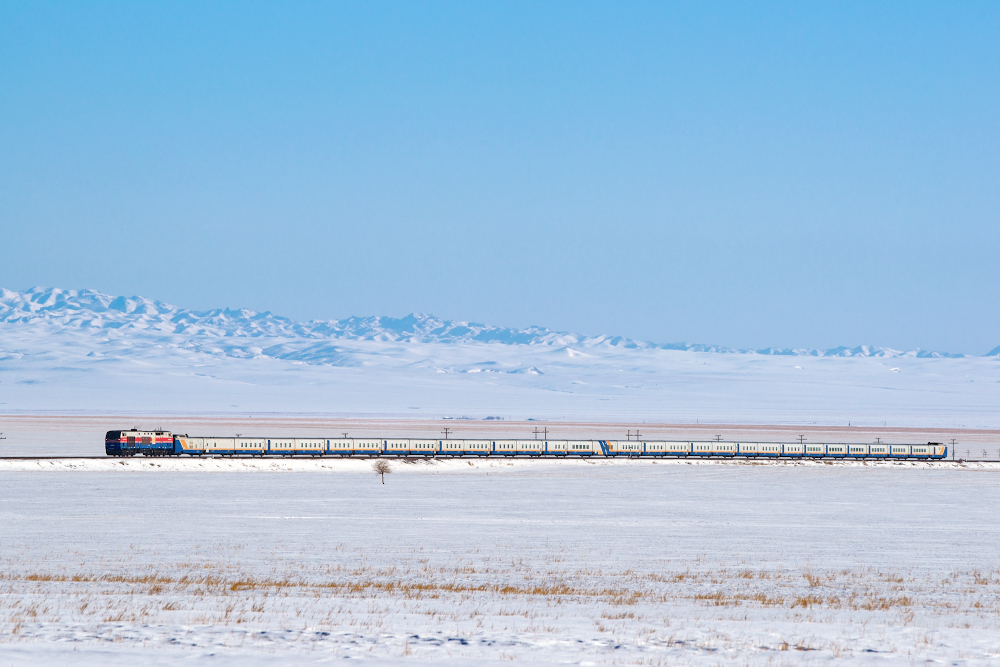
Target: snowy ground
(443,466)
(474,562)
(56,374)
(548,562)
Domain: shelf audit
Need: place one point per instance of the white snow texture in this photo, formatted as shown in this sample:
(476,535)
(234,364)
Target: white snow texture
(466,563)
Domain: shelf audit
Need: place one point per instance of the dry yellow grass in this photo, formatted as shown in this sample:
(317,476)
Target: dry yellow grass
(653,609)
(863,589)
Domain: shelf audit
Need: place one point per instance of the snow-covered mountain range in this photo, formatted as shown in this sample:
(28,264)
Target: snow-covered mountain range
(88,352)
(89,309)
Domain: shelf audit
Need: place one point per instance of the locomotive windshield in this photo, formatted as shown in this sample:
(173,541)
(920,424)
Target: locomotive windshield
(113,435)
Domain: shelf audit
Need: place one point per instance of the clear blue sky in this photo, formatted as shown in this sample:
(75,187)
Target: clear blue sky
(800,174)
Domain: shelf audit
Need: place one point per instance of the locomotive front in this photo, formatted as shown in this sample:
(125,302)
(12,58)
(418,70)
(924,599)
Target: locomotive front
(113,443)
(130,443)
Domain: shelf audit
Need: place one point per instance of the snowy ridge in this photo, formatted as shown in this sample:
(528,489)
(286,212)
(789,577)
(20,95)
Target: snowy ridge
(92,310)
(88,351)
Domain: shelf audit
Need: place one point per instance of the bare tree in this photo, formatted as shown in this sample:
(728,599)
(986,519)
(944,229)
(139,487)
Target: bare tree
(382,467)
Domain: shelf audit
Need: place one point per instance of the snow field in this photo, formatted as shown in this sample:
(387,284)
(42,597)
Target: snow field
(628,562)
(459,466)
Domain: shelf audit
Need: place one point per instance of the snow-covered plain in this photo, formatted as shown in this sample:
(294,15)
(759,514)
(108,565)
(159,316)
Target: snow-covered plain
(82,352)
(234,562)
(548,562)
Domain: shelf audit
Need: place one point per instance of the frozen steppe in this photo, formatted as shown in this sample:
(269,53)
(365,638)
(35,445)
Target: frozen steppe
(474,562)
(234,562)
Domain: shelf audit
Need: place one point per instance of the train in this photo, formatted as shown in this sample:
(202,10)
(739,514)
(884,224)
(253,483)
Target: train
(164,443)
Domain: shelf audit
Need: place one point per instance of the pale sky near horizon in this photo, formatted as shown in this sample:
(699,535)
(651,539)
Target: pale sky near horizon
(742,174)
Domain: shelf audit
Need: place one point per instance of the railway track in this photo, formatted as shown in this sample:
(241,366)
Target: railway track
(416,459)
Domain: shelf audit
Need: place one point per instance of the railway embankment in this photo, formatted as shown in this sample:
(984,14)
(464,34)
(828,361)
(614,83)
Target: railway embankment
(442,465)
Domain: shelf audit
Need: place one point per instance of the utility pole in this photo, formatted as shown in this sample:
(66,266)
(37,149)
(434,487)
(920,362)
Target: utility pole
(802,439)
(953,443)
(445,431)
(544,431)
(345,435)
(718,438)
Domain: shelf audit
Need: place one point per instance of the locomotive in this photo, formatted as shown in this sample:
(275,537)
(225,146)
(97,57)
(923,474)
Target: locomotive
(165,443)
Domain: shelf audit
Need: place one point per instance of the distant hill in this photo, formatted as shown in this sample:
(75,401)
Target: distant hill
(92,310)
